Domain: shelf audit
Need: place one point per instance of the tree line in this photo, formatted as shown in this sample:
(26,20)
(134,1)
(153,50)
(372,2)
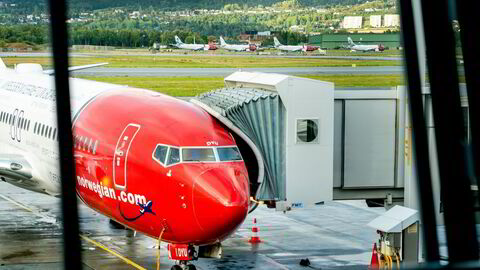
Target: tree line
(39,34)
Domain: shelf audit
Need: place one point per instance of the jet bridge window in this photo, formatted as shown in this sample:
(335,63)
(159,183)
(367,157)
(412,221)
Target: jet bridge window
(198,154)
(228,154)
(174,156)
(307,130)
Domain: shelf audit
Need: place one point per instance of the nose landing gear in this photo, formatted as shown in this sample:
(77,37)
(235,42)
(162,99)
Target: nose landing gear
(183,254)
(183,266)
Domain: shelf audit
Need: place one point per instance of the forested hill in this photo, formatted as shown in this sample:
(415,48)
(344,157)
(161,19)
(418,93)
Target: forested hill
(181,4)
(193,4)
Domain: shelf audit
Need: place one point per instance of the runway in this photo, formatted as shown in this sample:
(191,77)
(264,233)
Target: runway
(331,236)
(222,72)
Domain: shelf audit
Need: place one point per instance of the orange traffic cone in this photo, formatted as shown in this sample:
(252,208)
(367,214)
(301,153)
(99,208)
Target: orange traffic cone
(254,239)
(374,262)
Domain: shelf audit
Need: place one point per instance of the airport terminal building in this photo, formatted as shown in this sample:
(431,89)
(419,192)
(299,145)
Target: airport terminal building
(336,41)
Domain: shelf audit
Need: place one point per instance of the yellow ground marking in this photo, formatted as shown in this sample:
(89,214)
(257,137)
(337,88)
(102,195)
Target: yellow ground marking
(126,260)
(116,254)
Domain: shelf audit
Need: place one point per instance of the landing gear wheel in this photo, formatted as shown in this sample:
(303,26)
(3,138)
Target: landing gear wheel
(176,267)
(191,267)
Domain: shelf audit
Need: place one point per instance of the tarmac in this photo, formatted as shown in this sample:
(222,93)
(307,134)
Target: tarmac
(183,72)
(332,236)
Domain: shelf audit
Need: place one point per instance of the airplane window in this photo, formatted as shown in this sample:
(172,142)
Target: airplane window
(174,156)
(84,144)
(49,132)
(28,125)
(1,116)
(228,153)
(43,130)
(54,133)
(161,153)
(198,154)
(90,145)
(94,151)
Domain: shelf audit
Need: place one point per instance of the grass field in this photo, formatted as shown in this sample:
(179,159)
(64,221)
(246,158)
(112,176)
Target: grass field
(191,86)
(201,61)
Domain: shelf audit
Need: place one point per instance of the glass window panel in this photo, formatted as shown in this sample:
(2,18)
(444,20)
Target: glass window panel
(174,156)
(161,153)
(229,153)
(198,154)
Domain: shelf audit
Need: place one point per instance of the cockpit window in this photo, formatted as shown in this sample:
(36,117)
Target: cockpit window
(174,156)
(198,154)
(228,153)
(160,153)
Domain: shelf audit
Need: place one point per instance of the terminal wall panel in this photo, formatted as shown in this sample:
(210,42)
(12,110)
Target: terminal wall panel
(369,143)
(338,144)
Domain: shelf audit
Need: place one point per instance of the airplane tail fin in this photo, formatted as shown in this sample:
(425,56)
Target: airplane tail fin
(178,40)
(222,41)
(350,42)
(276,42)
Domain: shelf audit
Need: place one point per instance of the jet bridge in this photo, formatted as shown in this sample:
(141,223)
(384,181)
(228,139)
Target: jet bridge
(284,128)
(304,142)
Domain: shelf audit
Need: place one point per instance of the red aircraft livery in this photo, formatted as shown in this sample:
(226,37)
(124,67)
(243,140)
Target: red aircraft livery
(148,161)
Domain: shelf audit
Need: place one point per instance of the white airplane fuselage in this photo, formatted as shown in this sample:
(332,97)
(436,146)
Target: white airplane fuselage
(27,109)
(131,154)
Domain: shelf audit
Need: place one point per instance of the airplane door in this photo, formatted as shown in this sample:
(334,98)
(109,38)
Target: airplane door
(120,156)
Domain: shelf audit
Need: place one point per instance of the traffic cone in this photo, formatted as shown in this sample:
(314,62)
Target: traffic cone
(374,262)
(254,239)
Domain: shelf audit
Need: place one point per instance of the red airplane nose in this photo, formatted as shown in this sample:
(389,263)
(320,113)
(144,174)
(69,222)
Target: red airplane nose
(220,201)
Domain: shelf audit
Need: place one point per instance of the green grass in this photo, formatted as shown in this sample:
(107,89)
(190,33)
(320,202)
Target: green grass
(360,80)
(191,86)
(200,61)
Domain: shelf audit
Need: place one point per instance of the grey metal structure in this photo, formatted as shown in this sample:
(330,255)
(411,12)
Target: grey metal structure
(260,115)
(369,145)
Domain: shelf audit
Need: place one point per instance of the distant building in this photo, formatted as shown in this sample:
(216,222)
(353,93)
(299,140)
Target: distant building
(376,21)
(391,20)
(352,22)
(332,41)
(265,33)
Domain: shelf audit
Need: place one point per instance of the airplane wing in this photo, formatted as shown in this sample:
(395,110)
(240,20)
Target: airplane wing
(51,71)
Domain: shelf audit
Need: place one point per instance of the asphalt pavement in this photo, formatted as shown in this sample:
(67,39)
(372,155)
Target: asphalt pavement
(331,236)
(222,72)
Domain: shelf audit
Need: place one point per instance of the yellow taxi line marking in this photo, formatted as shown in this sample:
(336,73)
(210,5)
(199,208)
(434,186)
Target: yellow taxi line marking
(128,261)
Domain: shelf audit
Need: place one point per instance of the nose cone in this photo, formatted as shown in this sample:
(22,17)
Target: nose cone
(220,201)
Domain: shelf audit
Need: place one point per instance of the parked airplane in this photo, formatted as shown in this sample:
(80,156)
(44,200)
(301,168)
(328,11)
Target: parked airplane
(237,47)
(195,47)
(148,161)
(365,48)
(294,48)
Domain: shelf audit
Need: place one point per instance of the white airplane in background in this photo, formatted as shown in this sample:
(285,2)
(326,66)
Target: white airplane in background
(294,48)
(195,47)
(365,48)
(237,47)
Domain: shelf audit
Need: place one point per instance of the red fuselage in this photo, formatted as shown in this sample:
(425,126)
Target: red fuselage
(119,138)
